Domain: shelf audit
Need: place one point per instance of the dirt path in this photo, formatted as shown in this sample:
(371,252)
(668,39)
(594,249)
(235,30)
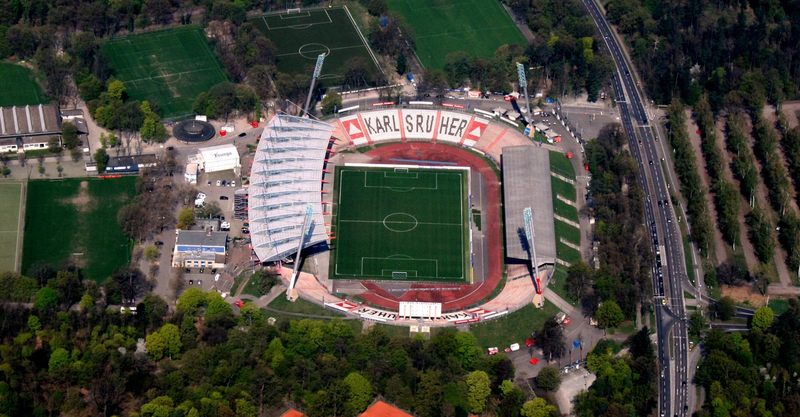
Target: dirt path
(762,196)
(720,247)
(790,109)
(747,248)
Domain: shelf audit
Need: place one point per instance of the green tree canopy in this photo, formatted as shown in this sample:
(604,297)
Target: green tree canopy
(609,314)
(549,378)
(478,391)
(537,407)
(331,102)
(763,318)
(360,393)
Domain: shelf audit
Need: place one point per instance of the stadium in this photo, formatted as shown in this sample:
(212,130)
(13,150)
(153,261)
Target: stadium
(402,213)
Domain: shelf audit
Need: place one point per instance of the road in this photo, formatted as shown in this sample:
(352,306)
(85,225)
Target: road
(669,271)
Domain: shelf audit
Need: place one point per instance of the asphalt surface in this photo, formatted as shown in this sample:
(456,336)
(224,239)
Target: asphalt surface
(669,271)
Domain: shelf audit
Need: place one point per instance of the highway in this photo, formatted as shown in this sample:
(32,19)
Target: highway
(669,271)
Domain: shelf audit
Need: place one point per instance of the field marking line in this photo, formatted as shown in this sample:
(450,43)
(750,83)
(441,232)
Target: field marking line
(329,49)
(173,74)
(287,15)
(328,16)
(264,18)
(381,221)
(20,226)
(363,40)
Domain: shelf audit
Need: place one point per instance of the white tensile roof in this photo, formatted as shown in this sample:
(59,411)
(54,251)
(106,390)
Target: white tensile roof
(285,179)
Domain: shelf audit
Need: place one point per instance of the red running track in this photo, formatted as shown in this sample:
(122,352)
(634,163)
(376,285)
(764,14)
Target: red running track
(452,296)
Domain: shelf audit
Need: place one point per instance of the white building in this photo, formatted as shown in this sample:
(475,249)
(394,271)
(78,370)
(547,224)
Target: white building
(190,174)
(219,158)
(199,249)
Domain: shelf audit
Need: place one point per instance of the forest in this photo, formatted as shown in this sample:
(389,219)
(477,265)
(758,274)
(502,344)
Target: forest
(738,51)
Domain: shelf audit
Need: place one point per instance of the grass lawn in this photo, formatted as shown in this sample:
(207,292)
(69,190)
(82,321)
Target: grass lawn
(170,67)
(476,27)
(10,207)
(565,210)
(563,188)
(76,220)
(568,232)
(687,253)
(779,306)
(561,165)
(559,284)
(300,37)
(567,254)
(401,224)
(514,327)
(301,306)
(18,86)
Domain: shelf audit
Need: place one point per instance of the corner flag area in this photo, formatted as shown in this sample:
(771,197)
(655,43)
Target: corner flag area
(401,223)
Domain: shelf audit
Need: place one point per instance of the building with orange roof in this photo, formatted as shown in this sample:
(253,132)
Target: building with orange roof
(382,409)
(291,412)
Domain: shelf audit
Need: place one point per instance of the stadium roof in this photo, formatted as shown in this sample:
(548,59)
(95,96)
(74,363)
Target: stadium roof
(285,179)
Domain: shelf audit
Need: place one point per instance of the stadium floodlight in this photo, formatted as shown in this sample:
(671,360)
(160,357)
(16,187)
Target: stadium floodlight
(291,293)
(315,75)
(523,83)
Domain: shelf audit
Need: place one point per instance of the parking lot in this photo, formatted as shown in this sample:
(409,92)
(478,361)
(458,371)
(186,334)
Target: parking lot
(223,196)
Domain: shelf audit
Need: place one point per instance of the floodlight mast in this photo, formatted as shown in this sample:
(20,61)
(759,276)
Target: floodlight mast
(317,71)
(523,82)
(291,292)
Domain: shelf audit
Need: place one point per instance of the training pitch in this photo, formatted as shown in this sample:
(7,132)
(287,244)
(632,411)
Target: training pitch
(301,35)
(10,225)
(477,27)
(169,68)
(76,220)
(401,223)
(18,86)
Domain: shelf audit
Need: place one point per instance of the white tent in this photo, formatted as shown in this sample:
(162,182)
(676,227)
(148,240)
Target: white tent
(219,158)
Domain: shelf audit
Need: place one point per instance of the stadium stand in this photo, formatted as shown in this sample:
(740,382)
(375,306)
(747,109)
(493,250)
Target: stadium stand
(286,178)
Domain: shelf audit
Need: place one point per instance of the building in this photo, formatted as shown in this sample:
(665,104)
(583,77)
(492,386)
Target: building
(199,249)
(212,225)
(26,128)
(218,158)
(291,412)
(130,163)
(190,174)
(382,409)
(285,184)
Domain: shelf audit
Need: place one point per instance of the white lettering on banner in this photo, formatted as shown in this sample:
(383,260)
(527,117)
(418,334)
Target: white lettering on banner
(414,124)
(451,126)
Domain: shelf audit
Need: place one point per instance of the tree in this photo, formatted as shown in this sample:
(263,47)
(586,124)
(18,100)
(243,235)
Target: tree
(46,299)
(725,308)
(191,299)
(151,253)
(549,378)
(763,318)
(59,360)
(185,218)
(609,314)
(551,339)
(697,324)
(101,159)
(152,129)
(164,342)
(331,102)
(360,393)
(579,278)
(478,391)
(401,65)
(537,407)
(69,135)
(428,398)
(116,90)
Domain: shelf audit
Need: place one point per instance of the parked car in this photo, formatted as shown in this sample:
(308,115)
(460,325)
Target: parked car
(158,243)
(245,231)
(201,196)
(219,182)
(223,197)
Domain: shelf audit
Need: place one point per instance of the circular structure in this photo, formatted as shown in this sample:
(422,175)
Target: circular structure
(311,50)
(193,131)
(400,222)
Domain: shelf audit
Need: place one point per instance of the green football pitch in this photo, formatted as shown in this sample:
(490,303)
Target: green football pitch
(169,68)
(10,227)
(18,86)
(477,27)
(300,36)
(408,224)
(76,220)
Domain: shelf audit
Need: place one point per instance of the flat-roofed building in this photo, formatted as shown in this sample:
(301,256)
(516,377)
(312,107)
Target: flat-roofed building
(26,128)
(199,249)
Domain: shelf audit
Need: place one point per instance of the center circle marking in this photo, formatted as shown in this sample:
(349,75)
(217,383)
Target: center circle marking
(400,222)
(311,50)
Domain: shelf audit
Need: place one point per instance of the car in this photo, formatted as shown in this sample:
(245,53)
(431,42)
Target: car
(233,183)
(223,197)
(241,135)
(191,282)
(566,321)
(199,282)
(651,162)
(158,243)
(209,182)
(202,270)
(663,301)
(201,196)
(245,231)
(219,183)
(216,278)
(246,224)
